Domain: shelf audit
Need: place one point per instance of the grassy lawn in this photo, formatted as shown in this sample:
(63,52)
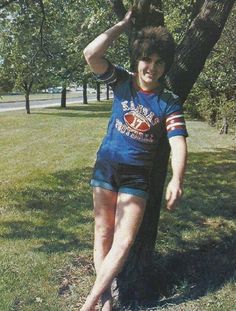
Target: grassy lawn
(46,226)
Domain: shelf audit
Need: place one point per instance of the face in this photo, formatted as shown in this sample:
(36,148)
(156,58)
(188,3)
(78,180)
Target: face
(149,70)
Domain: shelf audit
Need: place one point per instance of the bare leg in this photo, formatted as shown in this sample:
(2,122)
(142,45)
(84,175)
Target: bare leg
(104,212)
(129,214)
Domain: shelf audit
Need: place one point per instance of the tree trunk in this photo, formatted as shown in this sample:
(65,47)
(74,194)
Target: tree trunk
(107,92)
(225,126)
(27,88)
(192,52)
(98,92)
(137,283)
(63,97)
(212,117)
(133,283)
(27,102)
(85,97)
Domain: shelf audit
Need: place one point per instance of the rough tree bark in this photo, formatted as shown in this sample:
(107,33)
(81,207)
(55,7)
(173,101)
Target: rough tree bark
(135,283)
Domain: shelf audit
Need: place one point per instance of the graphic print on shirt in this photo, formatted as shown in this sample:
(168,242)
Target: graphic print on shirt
(138,122)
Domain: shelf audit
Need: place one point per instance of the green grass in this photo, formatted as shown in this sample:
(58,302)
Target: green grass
(46,226)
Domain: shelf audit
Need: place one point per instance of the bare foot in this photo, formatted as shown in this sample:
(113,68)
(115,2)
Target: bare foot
(106,300)
(107,306)
(89,305)
(87,308)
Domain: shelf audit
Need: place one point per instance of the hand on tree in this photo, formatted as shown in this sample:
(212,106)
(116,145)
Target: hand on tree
(128,19)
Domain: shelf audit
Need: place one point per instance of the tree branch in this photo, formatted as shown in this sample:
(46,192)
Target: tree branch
(118,7)
(42,21)
(195,8)
(199,40)
(43,47)
(148,13)
(41,38)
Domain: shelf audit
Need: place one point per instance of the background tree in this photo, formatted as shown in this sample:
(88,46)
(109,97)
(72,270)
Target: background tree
(213,97)
(23,59)
(39,45)
(51,36)
(63,21)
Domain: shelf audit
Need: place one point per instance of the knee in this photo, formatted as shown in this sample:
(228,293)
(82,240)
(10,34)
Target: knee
(104,232)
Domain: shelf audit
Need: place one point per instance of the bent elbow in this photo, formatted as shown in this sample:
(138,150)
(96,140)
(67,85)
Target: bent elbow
(88,54)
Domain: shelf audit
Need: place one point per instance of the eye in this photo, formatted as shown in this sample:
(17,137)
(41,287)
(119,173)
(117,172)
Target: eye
(160,62)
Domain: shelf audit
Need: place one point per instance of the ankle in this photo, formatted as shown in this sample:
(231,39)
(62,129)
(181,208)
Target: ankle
(89,304)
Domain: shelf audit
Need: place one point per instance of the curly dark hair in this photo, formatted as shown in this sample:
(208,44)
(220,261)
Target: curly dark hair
(153,40)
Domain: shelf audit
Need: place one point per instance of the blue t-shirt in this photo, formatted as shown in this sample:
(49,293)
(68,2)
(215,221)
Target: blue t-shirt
(138,119)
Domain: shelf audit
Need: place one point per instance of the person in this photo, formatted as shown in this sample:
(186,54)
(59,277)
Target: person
(124,161)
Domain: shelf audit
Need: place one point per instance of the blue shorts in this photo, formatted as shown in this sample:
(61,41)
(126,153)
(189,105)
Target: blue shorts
(119,177)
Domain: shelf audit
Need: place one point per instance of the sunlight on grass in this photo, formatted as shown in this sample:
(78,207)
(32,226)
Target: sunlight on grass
(47,218)
(45,202)
(196,244)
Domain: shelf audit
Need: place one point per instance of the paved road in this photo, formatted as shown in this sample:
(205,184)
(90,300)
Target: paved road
(45,103)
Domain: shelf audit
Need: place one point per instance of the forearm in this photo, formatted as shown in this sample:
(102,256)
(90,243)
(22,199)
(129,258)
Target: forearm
(95,51)
(174,189)
(178,159)
(99,46)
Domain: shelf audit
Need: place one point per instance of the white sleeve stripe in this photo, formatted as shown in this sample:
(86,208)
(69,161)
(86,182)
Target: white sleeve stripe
(108,80)
(112,81)
(175,116)
(111,76)
(174,124)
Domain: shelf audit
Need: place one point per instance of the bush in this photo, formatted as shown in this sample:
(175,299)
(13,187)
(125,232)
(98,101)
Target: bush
(228,109)
(215,111)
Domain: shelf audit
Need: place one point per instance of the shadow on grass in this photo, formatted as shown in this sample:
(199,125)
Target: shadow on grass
(201,235)
(195,273)
(56,211)
(98,110)
(200,253)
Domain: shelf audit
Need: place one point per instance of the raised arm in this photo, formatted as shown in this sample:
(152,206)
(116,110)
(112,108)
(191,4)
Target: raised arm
(95,51)
(178,162)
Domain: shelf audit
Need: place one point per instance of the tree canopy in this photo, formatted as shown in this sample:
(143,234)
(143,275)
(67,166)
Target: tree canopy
(42,43)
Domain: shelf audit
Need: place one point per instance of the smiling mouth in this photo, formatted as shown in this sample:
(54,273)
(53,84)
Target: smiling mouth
(150,75)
